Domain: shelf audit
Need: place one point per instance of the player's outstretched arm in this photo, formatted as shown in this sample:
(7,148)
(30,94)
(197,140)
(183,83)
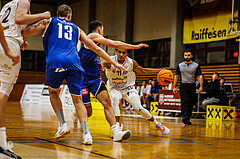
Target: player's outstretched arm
(106,64)
(91,45)
(115,44)
(12,55)
(22,17)
(35,29)
(142,70)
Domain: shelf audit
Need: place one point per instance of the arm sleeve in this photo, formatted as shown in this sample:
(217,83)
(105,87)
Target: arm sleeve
(178,70)
(198,72)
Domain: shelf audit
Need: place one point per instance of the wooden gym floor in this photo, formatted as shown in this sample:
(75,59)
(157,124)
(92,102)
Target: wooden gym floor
(32,129)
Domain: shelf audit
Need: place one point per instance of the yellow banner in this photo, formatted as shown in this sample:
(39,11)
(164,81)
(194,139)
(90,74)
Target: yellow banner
(206,22)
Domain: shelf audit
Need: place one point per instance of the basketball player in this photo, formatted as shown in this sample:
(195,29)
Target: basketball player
(14,17)
(121,85)
(60,40)
(91,64)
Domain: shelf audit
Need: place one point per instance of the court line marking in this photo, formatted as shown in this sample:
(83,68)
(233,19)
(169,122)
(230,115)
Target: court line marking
(157,117)
(98,154)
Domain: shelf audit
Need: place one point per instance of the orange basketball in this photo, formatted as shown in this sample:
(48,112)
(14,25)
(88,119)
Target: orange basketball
(165,77)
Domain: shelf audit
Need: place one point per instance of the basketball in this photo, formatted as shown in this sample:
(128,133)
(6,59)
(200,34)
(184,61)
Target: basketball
(165,77)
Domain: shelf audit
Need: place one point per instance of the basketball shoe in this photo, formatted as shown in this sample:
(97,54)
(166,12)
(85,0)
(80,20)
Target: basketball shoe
(164,130)
(87,139)
(120,126)
(62,130)
(9,152)
(121,135)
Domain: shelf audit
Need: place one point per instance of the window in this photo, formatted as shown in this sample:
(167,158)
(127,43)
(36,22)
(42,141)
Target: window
(221,52)
(157,55)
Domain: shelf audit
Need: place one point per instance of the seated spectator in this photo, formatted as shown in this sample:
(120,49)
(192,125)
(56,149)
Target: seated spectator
(202,96)
(149,85)
(138,88)
(223,95)
(143,94)
(212,92)
(153,96)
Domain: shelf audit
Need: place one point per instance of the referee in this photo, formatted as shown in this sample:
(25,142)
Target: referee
(187,70)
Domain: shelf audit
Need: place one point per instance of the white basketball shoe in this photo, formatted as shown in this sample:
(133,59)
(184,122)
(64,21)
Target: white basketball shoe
(87,139)
(121,135)
(120,126)
(164,130)
(62,130)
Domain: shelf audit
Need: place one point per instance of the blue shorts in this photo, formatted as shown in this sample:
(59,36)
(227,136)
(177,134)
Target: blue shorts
(90,84)
(73,78)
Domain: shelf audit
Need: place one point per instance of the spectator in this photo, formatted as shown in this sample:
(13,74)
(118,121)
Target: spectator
(212,92)
(153,96)
(143,94)
(202,96)
(223,96)
(138,88)
(149,85)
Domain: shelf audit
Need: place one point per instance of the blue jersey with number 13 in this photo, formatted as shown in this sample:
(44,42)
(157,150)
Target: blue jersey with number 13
(60,45)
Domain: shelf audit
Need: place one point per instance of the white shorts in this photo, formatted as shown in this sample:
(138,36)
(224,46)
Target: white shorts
(9,73)
(123,93)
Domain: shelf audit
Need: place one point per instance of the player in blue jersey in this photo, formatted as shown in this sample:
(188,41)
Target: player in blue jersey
(91,63)
(60,40)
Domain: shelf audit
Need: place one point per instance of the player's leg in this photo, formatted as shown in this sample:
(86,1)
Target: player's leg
(86,94)
(53,81)
(115,97)
(8,76)
(100,91)
(133,98)
(5,90)
(74,82)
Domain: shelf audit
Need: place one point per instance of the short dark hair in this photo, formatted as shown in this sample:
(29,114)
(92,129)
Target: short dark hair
(63,10)
(128,50)
(188,50)
(94,25)
(150,79)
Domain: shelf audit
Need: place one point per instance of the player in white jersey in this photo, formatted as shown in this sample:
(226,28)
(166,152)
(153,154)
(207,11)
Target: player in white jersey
(121,85)
(14,17)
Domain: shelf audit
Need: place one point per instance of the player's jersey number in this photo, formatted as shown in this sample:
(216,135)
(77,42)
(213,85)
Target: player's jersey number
(6,15)
(66,31)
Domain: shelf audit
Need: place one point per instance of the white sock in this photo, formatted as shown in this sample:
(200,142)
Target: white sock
(115,128)
(155,122)
(3,138)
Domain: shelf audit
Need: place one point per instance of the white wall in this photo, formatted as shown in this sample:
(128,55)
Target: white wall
(152,19)
(35,42)
(113,16)
(80,14)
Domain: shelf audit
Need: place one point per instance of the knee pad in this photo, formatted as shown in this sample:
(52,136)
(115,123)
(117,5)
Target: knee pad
(134,100)
(6,88)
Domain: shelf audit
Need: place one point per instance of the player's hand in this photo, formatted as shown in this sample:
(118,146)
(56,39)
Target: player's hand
(14,56)
(120,67)
(46,15)
(24,45)
(139,46)
(101,67)
(200,89)
(175,90)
